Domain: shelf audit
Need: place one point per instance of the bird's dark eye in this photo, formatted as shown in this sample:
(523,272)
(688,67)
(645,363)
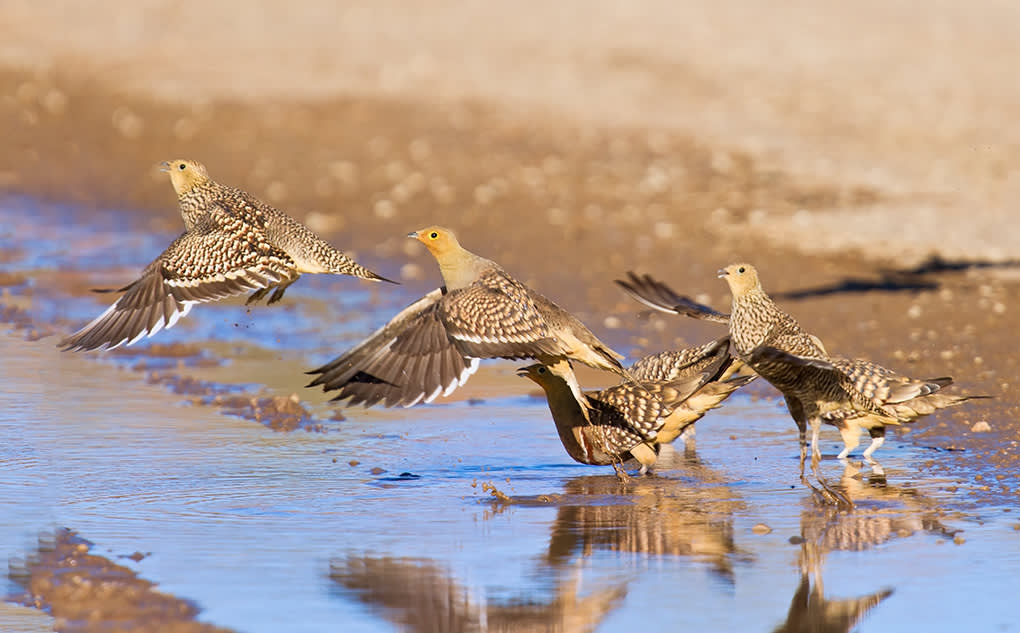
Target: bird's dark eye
(433,235)
(182,166)
(740,270)
(541,370)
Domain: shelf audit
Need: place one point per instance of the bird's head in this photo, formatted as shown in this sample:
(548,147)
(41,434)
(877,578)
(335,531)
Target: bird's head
(537,373)
(742,278)
(185,174)
(437,239)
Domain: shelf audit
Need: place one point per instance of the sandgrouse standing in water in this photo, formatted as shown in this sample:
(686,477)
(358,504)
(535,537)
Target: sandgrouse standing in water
(233,243)
(633,420)
(433,346)
(849,394)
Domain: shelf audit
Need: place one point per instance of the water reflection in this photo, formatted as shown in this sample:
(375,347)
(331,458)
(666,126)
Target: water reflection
(655,516)
(882,513)
(422,596)
(687,514)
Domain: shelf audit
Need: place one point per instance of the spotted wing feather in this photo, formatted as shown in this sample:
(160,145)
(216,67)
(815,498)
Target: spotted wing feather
(495,317)
(205,264)
(407,361)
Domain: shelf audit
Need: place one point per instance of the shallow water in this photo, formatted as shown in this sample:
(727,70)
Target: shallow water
(271,531)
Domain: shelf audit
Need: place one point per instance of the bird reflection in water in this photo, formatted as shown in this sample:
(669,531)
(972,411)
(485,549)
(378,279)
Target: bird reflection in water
(650,517)
(882,513)
(688,514)
(422,596)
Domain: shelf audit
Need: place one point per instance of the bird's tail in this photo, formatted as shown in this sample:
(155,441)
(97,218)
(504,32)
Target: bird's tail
(714,393)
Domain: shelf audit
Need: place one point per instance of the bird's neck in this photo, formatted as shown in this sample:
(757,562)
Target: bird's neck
(460,268)
(750,317)
(569,418)
(194,204)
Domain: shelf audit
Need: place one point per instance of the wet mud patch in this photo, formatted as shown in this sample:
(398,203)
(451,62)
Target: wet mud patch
(277,412)
(165,357)
(88,593)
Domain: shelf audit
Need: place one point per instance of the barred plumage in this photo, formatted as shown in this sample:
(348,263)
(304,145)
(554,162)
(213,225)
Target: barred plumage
(233,244)
(633,420)
(854,395)
(481,312)
(849,394)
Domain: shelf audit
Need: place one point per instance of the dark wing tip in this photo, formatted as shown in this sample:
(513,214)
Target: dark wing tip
(659,296)
(386,279)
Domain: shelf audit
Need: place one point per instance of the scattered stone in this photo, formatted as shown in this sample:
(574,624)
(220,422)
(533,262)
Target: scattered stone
(761,528)
(981,427)
(377,471)
(959,540)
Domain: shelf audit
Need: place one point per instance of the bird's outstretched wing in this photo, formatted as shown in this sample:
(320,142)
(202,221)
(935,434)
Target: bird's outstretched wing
(409,360)
(205,264)
(658,296)
(496,317)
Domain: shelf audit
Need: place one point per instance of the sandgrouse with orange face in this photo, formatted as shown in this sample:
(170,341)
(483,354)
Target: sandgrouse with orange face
(433,346)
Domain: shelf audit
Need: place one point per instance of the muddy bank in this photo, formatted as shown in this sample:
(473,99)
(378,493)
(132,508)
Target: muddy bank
(86,592)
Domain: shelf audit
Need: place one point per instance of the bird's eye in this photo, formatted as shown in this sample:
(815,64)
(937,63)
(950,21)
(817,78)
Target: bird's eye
(740,270)
(182,166)
(541,370)
(433,235)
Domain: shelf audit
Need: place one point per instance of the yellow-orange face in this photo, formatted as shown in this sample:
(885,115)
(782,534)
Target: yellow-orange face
(185,174)
(741,278)
(436,238)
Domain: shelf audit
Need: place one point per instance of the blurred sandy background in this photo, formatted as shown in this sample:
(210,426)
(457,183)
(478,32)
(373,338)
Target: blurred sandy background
(915,103)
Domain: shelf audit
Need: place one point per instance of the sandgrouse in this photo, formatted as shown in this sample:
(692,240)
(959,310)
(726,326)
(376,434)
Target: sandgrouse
(849,394)
(633,420)
(433,346)
(233,243)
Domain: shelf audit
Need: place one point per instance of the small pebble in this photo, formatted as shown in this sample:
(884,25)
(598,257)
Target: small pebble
(981,427)
(377,471)
(761,528)
(959,540)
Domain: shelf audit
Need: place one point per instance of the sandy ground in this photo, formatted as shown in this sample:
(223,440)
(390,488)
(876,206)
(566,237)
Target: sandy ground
(915,103)
(836,146)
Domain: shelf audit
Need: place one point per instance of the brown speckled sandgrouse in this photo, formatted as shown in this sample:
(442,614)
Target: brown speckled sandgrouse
(233,243)
(433,345)
(630,420)
(849,394)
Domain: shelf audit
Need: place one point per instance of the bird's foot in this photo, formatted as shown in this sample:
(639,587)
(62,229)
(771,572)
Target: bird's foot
(256,296)
(876,468)
(621,474)
(278,293)
(830,494)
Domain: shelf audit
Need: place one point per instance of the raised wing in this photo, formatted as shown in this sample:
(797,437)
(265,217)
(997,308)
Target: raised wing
(409,360)
(202,265)
(658,296)
(495,317)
